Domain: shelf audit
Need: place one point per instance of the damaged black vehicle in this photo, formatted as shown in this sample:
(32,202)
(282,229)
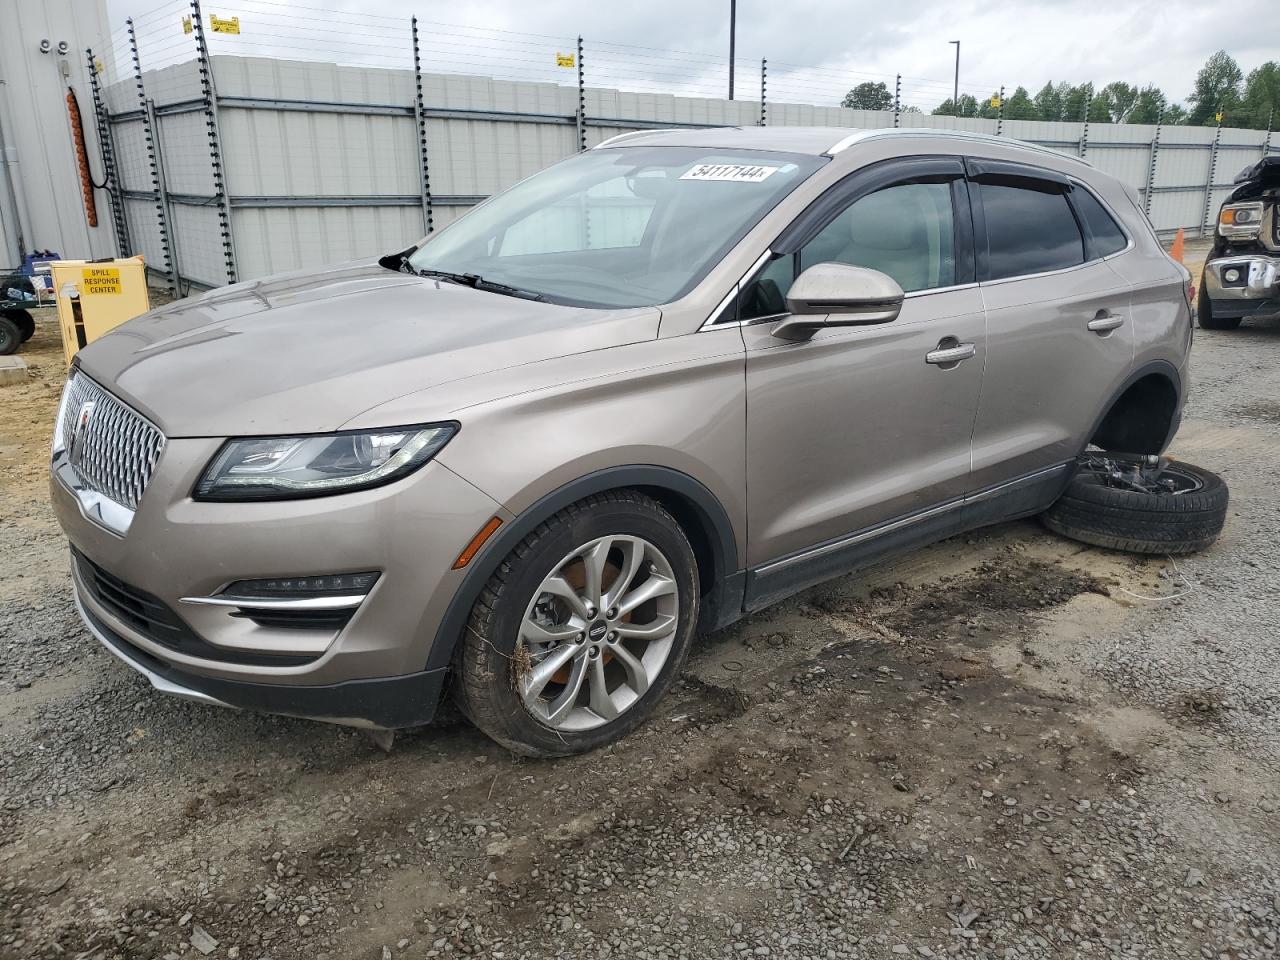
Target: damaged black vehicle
(1242,274)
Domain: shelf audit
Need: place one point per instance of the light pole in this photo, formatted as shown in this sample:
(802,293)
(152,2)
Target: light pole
(955,97)
(733,29)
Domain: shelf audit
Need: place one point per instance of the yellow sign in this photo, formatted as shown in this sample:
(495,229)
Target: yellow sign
(224,24)
(564,59)
(186,25)
(98,66)
(1218,116)
(99,280)
(995,102)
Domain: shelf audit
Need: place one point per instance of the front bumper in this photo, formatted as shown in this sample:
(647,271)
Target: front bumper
(1255,292)
(385,703)
(370,671)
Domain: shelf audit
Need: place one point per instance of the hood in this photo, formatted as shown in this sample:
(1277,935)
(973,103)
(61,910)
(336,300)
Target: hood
(1255,179)
(305,353)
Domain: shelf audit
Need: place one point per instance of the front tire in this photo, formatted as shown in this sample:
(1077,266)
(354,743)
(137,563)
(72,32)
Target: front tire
(581,629)
(1205,317)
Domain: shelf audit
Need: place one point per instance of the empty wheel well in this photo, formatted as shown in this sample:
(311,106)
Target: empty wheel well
(1141,420)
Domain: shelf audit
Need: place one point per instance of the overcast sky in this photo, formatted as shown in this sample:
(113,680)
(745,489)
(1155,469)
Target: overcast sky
(1025,42)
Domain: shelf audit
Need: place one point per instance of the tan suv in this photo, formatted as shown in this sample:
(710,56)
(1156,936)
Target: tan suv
(668,381)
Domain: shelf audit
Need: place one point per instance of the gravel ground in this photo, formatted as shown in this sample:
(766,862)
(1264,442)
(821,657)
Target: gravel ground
(996,747)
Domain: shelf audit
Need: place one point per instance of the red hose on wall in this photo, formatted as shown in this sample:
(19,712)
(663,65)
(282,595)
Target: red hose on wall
(82,158)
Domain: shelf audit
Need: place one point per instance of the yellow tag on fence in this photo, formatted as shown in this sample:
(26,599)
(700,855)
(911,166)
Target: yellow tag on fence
(224,24)
(99,280)
(564,59)
(186,25)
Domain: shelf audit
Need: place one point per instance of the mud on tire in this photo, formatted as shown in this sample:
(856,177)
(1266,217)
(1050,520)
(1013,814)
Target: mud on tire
(1095,512)
(492,656)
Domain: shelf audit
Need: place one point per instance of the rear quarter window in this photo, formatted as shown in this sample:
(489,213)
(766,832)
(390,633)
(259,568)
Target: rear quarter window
(1108,238)
(1029,231)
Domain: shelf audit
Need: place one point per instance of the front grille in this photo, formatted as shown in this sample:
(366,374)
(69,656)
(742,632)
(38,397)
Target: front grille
(112,448)
(153,619)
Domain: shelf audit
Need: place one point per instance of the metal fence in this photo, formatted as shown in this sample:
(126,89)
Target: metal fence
(226,165)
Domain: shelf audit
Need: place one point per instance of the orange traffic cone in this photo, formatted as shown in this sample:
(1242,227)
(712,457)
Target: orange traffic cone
(1178,242)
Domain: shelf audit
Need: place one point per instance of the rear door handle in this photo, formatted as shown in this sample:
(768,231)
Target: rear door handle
(1105,322)
(950,354)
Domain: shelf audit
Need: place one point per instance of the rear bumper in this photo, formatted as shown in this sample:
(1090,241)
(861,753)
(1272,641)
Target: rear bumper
(388,702)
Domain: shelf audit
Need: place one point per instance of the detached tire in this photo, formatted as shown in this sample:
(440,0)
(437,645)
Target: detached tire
(581,629)
(1095,512)
(1205,317)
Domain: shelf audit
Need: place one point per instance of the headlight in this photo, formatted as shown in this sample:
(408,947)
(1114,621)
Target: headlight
(1238,221)
(285,468)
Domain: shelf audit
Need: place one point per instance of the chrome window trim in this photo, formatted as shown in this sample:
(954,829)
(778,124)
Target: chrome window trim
(912,295)
(710,322)
(1044,273)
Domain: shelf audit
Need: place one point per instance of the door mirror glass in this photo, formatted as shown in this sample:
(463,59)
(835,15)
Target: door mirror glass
(838,295)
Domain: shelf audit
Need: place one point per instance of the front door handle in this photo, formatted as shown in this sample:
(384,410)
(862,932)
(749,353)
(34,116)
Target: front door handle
(953,352)
(1105,322)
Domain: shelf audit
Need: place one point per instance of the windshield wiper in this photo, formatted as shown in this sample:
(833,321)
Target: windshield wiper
(477,282)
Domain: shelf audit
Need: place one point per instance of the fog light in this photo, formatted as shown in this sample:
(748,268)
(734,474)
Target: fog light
(331,585)
(304,603)
(1231,276)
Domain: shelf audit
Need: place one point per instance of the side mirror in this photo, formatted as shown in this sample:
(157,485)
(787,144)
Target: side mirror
(838,295)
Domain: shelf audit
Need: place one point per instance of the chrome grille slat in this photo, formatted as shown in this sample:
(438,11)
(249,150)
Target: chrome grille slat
(118,448)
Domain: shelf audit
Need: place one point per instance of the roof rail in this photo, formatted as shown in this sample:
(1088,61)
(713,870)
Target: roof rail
(886,133)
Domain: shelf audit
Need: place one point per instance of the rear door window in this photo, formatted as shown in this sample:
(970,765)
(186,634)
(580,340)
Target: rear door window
(1029,230)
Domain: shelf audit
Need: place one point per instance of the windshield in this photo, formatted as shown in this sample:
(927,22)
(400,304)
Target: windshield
(620,227)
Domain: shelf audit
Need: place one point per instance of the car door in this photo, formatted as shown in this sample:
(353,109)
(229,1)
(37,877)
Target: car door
(1059,340)
(862,427)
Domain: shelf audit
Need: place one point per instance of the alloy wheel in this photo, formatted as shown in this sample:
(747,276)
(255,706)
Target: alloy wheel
(597,632)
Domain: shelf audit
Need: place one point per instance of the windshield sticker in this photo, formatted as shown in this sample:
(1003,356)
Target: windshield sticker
(729,172)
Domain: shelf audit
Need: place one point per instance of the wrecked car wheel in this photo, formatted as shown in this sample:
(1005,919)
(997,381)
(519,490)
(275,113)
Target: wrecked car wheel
(581,629)
(1141,505)
(1205,317)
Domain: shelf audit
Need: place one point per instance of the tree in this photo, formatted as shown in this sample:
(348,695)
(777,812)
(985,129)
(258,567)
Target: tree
(1176,113)
(1120,98)
(869,95)
(1261,102)
(1149,107)
(968,107)
(1049,101)
(1020,106)
(1217,88)
(1074,101)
